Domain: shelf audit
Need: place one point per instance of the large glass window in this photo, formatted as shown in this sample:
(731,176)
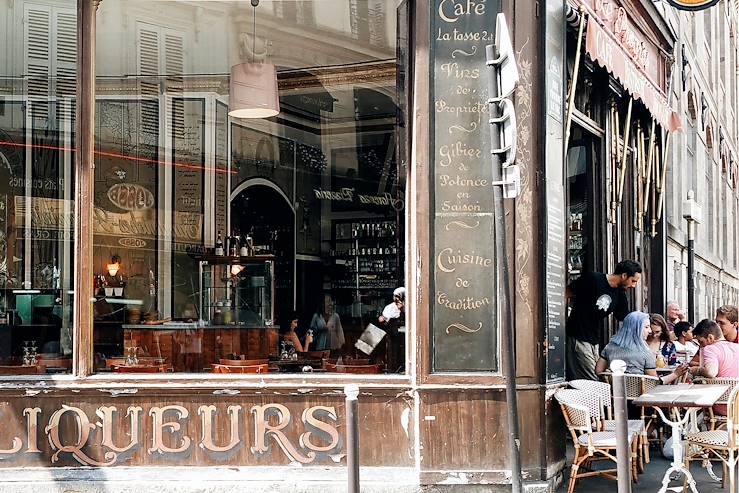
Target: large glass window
(37,89)
(250,245)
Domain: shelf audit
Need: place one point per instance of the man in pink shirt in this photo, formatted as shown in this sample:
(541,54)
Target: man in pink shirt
(728,320)
(720,357)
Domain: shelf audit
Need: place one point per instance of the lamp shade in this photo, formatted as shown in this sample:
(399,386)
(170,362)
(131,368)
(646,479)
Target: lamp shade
(253,91)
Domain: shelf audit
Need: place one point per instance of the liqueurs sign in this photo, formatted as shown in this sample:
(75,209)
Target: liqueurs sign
(629,39)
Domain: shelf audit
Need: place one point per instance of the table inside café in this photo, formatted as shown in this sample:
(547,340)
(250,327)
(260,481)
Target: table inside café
(297,365)
(681,396)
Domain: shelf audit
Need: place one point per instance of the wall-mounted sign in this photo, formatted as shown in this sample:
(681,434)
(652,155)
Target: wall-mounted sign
(465,329)
(131,197)
(692,4)
(109,435)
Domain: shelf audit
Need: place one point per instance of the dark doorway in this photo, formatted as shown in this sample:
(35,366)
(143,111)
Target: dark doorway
(265,213)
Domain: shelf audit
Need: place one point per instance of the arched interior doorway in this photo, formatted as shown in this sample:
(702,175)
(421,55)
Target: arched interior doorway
(262,210)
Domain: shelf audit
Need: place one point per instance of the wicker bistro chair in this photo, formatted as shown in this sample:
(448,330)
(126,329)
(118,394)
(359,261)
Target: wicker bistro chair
(590,445)
(600,402)
(716,421)
(636,385)
(719,444)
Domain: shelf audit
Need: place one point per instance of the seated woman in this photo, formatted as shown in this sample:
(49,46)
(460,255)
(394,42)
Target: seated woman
(292,337)
(660,340)
(629,345)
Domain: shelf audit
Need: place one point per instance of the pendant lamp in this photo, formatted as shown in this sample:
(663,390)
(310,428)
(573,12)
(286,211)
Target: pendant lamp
(253,91)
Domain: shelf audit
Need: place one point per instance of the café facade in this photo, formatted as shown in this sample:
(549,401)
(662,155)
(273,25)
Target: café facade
(209,207)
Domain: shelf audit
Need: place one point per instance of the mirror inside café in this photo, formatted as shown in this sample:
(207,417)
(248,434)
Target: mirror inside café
(249,205)
(37,105)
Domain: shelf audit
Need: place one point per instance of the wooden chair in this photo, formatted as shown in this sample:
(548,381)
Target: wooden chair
(360,369)
(114,361)
(65,363)
(261,368)
(717,421)
(242,362)
(317,354)
(590,445)
(719,444)
(21,370)
(599,398)
(141,369)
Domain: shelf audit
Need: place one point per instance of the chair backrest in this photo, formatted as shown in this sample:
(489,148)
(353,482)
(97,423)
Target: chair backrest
(575,409)
(636,385)
(243,362)
(732,383)
(140,369)
(599,397)
(360,369)
(21,370)
(217,368)
(65,363)
(732,425)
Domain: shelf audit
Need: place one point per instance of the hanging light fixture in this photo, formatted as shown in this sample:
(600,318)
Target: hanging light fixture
(253,87)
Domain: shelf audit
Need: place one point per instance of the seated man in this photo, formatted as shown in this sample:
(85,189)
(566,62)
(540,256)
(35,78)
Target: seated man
(727,319)
(720,357)
(685,342)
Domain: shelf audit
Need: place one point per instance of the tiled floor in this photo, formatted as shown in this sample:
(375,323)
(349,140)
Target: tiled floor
(650,481)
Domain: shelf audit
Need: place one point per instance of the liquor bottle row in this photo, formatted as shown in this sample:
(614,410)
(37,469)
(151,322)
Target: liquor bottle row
(376,265)
(234,245)
(366,250)
(385,229)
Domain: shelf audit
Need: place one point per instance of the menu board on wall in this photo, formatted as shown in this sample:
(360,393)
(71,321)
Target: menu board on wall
(555,234)
(188,173)
(221,169)
(464,308)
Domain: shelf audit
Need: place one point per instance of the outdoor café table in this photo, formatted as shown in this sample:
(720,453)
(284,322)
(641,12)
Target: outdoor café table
(687,396)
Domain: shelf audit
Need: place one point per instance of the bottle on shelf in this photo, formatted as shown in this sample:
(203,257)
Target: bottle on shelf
(219,245)
(233,241)
(248,247)
(243,251)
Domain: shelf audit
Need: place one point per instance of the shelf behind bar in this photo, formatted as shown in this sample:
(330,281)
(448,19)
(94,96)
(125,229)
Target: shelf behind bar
(193,326)
(228,259)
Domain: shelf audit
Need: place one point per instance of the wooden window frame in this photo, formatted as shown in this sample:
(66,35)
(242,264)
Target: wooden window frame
(82,374)
(419,372)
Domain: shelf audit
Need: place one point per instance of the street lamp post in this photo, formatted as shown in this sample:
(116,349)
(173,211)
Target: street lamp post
(692,214)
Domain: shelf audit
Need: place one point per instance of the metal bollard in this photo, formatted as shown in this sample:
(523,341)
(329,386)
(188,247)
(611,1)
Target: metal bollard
(352,436)
(623,450)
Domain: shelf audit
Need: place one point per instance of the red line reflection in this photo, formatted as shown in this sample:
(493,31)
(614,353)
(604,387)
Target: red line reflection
(140,160)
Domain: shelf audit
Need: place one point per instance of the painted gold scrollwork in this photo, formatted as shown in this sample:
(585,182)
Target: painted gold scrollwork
(524,212)
(463,328)
(461,224)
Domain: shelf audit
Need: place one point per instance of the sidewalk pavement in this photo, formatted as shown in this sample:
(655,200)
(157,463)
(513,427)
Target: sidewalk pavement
(649,481)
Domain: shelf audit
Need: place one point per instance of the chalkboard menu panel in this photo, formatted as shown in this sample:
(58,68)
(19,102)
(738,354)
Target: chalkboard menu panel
(555,228)
(464,313)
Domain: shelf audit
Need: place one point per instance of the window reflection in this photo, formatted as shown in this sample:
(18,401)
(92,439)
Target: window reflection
(249,245)
(37,89)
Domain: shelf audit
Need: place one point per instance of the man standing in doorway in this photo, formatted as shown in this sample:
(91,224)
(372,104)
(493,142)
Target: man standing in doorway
(593,296)
(727,319)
